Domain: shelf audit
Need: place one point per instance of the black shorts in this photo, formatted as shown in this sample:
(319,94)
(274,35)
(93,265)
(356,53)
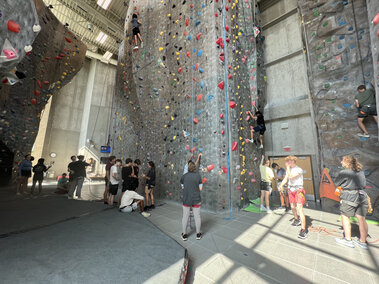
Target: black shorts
(38,179)
(26,173)
(365,111)
(260,128)
(266,186)
(136,31)
(113,188)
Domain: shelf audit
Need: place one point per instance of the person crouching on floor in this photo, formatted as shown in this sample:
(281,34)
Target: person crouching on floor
(130,201)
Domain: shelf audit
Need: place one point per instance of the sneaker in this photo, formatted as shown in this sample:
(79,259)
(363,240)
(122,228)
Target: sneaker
(269,210)
(281,208)
(303,234)
(145,214)
(184,237)
(251,140)
(136,47)
(152,206)
(260,147)
(360,244)
(296,222)
(141,44)
(363,135)
(263,208)
(69,197)
(18,193)
(344,242)
(199,236)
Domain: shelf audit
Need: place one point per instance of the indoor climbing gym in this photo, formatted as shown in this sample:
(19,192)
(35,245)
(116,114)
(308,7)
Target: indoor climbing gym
(189,141)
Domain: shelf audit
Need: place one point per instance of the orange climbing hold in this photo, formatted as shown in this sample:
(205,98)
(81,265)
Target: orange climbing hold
(195,120)
(193,150)
(204,180)
(13,27)
(199,97)
(197,66)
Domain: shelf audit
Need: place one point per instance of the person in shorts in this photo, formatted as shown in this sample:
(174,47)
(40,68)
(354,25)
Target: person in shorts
(127,176)
(296,194)
(259,128)
(136,32)
(114,180)
(130,201)
(150,184)
(366,104)
(39,169)
(280,174)
(24,173)
(267,175)
(354,201)
(112,160)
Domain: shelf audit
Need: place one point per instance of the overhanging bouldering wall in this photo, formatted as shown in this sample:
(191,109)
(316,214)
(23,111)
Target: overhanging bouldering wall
(185,92)
(339,60)
(54,59)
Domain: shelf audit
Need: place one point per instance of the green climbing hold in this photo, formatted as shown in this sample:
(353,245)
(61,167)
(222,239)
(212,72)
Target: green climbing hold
(327,85)
(316,13)
(329,39)
(325,24)
(333,101)
(322,67)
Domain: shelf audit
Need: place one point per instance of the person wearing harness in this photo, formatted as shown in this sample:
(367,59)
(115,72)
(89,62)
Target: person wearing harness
(354,201)
(267,175)
(366,104)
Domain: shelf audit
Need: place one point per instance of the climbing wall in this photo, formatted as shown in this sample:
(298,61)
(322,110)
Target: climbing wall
(185,92)
(50,63)
(340,59)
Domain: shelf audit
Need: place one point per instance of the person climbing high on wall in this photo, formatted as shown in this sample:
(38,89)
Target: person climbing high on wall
(260,127)
(366,104)
(136,31)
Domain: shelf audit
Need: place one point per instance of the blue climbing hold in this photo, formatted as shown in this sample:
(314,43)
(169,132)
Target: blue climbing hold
(199,112)
(194,139)
(189,37)
(202,84)
(201,70)
(347,105)
(199,13)
(210,97)
(201,150)
(197,23)
(200,52)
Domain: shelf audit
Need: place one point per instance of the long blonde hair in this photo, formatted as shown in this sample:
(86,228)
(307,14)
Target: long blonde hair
(353,163)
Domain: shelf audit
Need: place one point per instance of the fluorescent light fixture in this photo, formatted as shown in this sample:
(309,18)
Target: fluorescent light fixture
(102,37)
(107,55)
(104,3)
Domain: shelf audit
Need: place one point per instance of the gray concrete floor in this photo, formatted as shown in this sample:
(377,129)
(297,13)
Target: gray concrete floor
(249,248)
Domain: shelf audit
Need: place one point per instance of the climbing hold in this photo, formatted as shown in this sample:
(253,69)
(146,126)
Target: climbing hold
(227,28)
(232,104)
(221,85)
(210,167)
(187,22)
(234,145)
(230,76)
(375,21)
(199,53)
(34,101)
(36,28)
(195,120)
(13,26)
(68,40)
(188,55)
(224,169)
(204,180)
(223,132)
(221,115)
(28,48)
(37,93)
(161,48)
(39,83)
(210,97)
(198,36)
(180,70)
(199,97)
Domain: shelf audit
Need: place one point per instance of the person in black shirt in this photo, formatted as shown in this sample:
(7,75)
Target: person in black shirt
(150,184)
(78,170)
(127,176)
(70,175)
(260,127)
(38,170)
(136,165)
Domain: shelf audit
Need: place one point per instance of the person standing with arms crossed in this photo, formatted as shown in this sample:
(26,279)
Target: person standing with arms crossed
(296,194)
(267,175)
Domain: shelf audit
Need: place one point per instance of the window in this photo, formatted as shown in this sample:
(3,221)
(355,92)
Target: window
(102,37)
(104,3)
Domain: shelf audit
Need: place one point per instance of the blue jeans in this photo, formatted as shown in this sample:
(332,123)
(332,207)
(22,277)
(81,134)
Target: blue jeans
(78,184)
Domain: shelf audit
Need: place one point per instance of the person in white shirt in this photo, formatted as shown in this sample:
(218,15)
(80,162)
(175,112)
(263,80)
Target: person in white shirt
(296,194)
(130,201)
(114,180)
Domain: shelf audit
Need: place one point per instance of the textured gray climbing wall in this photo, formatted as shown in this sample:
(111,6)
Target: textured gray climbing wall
(171,103)
(340,59)
(55,58)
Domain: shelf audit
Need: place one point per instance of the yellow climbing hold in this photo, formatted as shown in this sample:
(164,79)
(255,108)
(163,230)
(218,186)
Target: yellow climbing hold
(161,48)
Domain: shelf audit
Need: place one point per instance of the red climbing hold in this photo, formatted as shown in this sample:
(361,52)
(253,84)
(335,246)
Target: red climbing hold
(375,21)
(221,115)
(224,169)
(198,36)
(39,83)
(191,5)
(221,85)
(204,180)
(68,40)
(195,121)
(187,22)
(227,40)
(13,26)
(210,167)
(188,55)
(227,28)
(193,150)
(188,96)
(232,104)
(199,97)
(216,15)
(180,70)
(226,8)
(230,76)
(223,132)
(34,101)
(234,146)
(197,66)
(37,93)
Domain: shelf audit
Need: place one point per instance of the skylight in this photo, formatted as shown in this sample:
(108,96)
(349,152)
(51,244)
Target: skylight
(104,3)
(107,55)
(102,37)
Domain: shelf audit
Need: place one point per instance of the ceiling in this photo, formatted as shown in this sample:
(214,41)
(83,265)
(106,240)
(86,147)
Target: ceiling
(86,20)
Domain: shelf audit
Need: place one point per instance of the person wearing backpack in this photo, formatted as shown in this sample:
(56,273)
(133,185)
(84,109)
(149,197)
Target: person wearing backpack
(354,201)
(38,171)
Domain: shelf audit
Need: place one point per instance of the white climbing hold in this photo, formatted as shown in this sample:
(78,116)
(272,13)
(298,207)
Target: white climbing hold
(36,28)
(28,48)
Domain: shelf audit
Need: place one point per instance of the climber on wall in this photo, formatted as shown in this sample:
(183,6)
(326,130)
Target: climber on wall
(260,127)
(366,104)
(136,32)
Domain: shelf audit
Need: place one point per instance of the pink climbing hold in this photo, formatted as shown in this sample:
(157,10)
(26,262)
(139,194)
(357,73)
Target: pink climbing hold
(230,76)
(210,167)
(216,15)
(227,28)
(180,70)
(238,187)
(13,27)
(198,36)
(224,169)
(223,132)
(253,180)
(250,173)
(375,21)
(221,85)
(221,115)
(232,104)
(234,146)
(199,97)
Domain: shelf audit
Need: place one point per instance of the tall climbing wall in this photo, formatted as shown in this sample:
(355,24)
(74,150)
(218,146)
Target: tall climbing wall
(340,59)
(48,64)
(186,91)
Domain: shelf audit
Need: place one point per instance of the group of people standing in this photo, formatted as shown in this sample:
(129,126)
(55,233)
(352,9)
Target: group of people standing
(354,201)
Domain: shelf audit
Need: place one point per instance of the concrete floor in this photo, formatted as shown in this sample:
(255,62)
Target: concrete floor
(249,248)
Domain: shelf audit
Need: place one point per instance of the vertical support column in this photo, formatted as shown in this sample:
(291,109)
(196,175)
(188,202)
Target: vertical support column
(372,10)
(87,105)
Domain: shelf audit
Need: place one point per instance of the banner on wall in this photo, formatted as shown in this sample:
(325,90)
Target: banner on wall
(327,187)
